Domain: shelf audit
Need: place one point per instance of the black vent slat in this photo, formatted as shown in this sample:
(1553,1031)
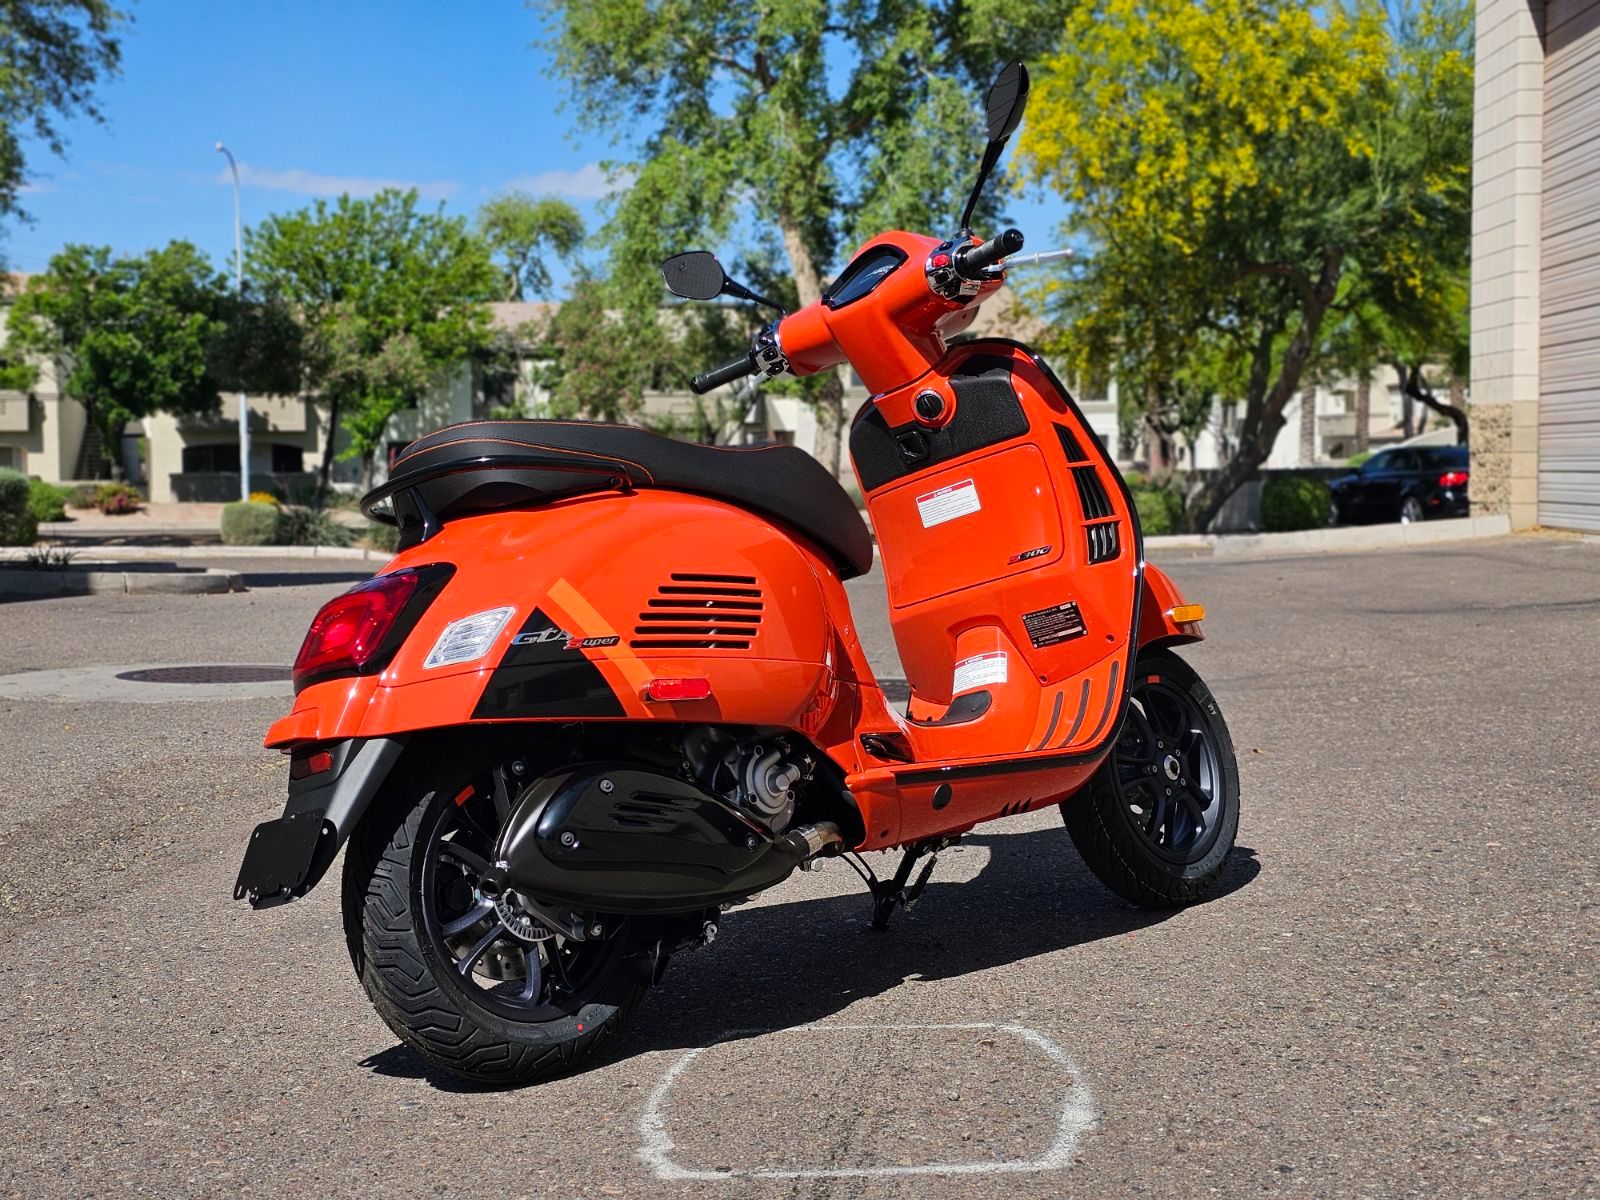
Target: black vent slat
(667,590)
(1069,445)
(702,616)
(687,644)
(735,604)
(1090,494)
(702,611)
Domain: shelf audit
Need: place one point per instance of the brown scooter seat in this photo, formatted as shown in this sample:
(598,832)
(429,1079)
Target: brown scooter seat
(482,466)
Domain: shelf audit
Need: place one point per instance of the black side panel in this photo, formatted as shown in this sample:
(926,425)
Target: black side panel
(541,677)
(987,413)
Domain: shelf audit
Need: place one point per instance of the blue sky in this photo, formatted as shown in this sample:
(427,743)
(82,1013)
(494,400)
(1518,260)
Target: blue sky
(315,99)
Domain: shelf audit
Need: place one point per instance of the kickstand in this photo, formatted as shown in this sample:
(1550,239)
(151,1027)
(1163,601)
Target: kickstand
(889,893)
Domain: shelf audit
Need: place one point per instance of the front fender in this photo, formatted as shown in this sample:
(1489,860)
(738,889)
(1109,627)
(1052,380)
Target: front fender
(1160,597)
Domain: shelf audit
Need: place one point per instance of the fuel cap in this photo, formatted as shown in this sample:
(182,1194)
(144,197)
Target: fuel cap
(930,406)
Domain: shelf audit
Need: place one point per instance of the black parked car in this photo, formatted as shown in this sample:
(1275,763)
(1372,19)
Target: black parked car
(1404,483)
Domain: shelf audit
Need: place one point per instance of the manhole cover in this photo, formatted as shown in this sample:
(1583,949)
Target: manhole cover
(222,673)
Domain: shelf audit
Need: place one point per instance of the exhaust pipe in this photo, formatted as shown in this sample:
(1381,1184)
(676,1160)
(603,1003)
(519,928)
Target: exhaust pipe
(812,841)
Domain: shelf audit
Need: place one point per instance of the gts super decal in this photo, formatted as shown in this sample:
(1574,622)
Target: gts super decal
(544,674)
(568,641)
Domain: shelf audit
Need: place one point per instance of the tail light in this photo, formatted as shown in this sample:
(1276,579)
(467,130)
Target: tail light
(358,633)
(1453,478)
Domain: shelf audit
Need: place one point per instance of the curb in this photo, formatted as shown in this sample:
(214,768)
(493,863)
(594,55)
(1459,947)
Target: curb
(1322,541)
(217,551)
(210,581)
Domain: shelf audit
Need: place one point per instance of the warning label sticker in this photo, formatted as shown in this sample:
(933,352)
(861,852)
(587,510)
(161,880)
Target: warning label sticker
(948,503)
(981,670)
(1047,626)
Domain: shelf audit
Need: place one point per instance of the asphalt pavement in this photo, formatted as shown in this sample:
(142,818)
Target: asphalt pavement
(1397,993)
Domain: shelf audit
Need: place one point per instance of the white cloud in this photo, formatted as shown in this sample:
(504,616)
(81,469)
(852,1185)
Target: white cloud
(588,182)
(310,183)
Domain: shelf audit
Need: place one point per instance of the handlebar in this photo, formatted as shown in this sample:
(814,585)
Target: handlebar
(971,261)
(736,368)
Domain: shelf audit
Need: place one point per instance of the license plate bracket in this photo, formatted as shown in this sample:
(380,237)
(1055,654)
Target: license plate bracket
(278,858)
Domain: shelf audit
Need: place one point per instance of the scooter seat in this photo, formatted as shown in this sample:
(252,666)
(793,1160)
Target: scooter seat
(481,466)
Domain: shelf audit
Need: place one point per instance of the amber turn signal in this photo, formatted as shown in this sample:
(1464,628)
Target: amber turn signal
(1184,614)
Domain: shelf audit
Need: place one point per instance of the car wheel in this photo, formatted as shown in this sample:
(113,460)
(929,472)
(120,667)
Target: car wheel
(1411,511)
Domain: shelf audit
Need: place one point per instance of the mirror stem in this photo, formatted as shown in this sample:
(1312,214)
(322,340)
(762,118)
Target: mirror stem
(733,288)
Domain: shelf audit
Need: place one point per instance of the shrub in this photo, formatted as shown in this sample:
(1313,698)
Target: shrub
(117,499)
(247,523)
(1356,460)
(311,527)
(18,527)
(85,495)
(265,498)
(1160,509)
(383,537)
(47,501)
(1294,502)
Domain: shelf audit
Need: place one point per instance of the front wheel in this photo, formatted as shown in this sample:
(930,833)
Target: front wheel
(1411,511)
(477,987)
(1158,820)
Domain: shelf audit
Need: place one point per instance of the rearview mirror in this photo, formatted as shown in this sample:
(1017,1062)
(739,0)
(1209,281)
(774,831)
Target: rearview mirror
(696,275)
(1007,98)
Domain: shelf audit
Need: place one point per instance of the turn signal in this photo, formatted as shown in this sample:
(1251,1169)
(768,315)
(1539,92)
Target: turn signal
(1453,478)
(677,689)
(1184,614)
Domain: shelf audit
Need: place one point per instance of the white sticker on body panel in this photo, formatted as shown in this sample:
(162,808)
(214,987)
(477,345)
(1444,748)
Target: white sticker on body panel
(981,670)
(948,503)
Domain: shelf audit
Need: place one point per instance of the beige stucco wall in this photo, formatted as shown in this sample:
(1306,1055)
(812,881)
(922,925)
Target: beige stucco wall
(1506,191)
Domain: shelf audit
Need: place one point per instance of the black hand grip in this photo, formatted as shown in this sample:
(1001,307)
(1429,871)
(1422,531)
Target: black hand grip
(736,368)
(971,260)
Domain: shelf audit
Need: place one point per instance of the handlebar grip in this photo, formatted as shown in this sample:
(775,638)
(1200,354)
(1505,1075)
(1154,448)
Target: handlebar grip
(972,260)
(736,368)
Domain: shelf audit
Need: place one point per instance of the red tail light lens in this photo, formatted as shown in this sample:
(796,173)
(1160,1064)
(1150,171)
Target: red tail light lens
(678,689)
(1453,478)
(357,633)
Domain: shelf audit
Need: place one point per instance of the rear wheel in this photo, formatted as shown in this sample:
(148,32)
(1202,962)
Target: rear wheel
(1411,511)
(1158,820)
(478,987)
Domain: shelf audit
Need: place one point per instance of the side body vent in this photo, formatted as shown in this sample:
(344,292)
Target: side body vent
(700,612)
(1104,541)
(1091,494)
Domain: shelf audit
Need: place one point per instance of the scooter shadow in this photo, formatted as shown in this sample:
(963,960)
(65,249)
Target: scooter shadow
(778,966)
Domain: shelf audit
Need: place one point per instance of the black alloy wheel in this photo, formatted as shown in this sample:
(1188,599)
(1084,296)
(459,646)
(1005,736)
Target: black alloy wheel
(1157,821)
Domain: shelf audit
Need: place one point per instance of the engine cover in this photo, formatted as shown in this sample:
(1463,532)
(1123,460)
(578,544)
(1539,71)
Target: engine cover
(610,837)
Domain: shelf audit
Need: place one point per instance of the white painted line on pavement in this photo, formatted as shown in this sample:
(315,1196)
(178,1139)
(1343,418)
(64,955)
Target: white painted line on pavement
(1078,1116)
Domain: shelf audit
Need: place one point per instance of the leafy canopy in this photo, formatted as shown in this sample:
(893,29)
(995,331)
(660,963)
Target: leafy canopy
(387,296)
(522,230)
(52,55)
(132,335)
(1227,164)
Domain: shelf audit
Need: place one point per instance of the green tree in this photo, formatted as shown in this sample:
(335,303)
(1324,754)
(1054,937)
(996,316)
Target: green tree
(804,124)
(523,231)
(129,336)
(388,298)
(1229,164)
(53,53)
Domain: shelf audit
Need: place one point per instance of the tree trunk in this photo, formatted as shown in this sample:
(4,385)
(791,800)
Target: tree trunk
(1363,410)
(327,454)
(1417,387)
(828,399)
(1264,405)
(367,457)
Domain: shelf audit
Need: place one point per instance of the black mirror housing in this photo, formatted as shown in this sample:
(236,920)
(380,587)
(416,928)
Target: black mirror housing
(1008,97)
(696,275)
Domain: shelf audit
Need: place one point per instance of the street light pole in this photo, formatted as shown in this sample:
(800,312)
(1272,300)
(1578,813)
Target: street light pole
(238,292)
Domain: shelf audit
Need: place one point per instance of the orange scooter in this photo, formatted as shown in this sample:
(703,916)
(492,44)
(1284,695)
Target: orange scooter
(611,687)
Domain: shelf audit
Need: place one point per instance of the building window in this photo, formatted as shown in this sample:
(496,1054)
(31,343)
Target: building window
(783,437)
(287,459)
(211,458)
